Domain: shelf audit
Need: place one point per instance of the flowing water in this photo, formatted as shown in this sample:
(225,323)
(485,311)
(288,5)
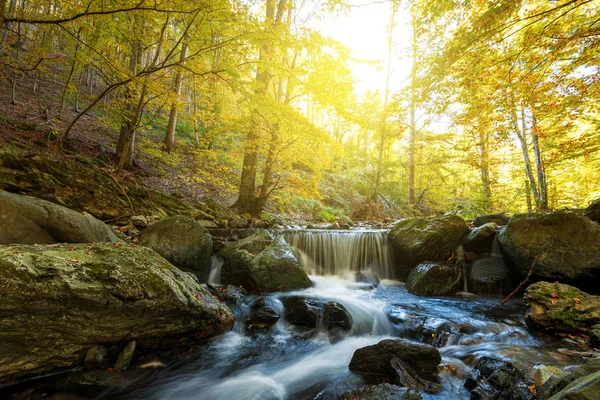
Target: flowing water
(285,362)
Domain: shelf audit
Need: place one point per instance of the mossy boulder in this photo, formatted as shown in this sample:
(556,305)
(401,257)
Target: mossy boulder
(182,241)
(581,383)
(480,239)
(564,245)
(556,307)
(418,239)
(28,220)
(593,211)
(57,301)
(434,279)
(261,263)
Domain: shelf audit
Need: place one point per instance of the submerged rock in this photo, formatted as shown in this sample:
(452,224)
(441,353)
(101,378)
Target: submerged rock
(28,220)
(417,240)
(183,242)
(60,300)
(262,264)
(434,279)
(96,358)
(375,360)
(125,357)
(564,245)
(556,307)
(263,313)
(312,313)
(493,378)
(368,277)
(383,391)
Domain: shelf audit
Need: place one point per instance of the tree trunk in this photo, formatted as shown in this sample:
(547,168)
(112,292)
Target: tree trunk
(542,200)
(484,168)
(170,137)
(520,133)
(382,127)
(412,133)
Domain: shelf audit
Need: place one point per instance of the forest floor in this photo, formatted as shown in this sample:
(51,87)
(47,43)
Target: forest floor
(30,126)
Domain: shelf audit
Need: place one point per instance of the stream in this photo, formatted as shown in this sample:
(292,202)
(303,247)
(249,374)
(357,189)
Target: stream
(287,362)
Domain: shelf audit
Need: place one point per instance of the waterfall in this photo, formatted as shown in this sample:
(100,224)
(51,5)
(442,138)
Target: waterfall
(339,252)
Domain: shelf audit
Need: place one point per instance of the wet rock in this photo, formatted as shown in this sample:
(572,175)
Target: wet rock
(229,294)
(58,300)
(481,238)
(584,388)
(556,307)
(28,220)
(368,277)
(561,380)
(489,276)
(565,246)
(311,313)
(262,264)
(417,240)
(542,374)
(593,211)
(493,378)
(91,383)
(384,391)
(125,357)
(96,358)
(375,360)
(498,219)
(434,279)
(263,313)
(430,330)
(183,242)
(139,221)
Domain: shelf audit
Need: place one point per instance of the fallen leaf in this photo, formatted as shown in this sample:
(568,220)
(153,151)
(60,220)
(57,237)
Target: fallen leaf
(110,370)
(89,252)
(75,260)
(18,252)
(554,295)
(532,389)
(554,301)
(576,300)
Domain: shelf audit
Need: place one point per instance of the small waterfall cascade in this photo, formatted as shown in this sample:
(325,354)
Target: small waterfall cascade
(327,253)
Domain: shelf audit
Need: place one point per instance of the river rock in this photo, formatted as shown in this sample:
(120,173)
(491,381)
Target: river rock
(91,383)
(368,277)
(542,374)
(493,378)
(375,360)
(262,264)
(96,358)
(581,382)
(28,220)
(263,313)
(499,219)
(139,221)
(183,242)
(125,357)
(489,276)
(57,301)
(229,294)
(416,240)
(565,246)
(556,307)
(593,211)
(311,313)
(434,279)
(481,238)
(383,391)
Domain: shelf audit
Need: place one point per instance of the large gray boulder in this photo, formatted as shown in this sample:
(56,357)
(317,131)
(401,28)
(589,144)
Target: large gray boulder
(564,245)
(581,383)
(183,242)
(57,301)
(434,279)
(418,239)
(261,263)
(28,220)
(555,307)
